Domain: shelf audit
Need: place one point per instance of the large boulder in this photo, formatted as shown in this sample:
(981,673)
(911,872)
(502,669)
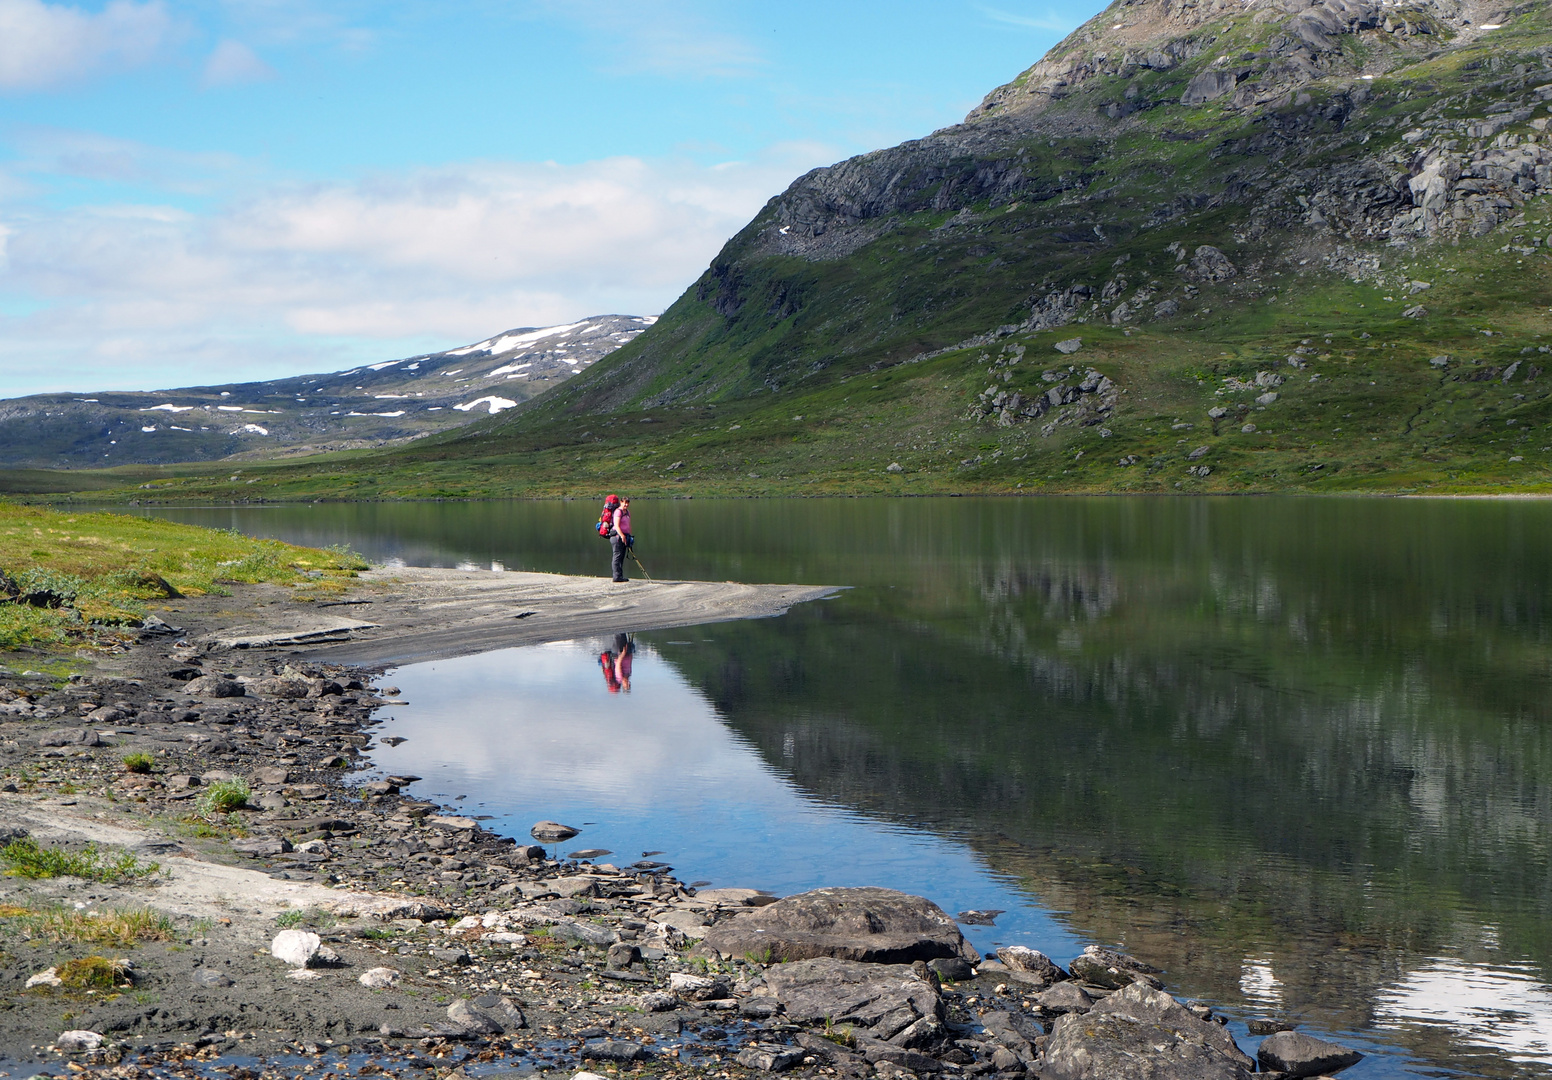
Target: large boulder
(1139,1033)
(1112,970)
(1298,1054)
(878,926)
(884,999)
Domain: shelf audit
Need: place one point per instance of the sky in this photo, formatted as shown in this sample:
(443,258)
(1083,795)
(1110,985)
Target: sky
(197,191)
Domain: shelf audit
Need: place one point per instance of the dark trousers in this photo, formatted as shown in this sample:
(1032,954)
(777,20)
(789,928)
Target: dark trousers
(617,560)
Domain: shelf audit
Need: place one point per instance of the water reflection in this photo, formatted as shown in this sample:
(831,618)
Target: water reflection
(617,662)
(530,734)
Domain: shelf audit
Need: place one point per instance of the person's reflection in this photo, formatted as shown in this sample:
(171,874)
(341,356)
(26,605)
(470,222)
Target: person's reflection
(616,664)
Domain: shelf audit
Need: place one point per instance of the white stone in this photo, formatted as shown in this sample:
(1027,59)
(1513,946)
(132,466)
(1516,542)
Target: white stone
(295,947)
(303,975)
(379,978)
(587,1076)
(78,1040)
(468,922)
(313,847)
(680,982)
(47,977)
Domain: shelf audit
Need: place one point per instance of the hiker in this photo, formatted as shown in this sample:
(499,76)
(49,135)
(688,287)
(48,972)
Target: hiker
(616,525)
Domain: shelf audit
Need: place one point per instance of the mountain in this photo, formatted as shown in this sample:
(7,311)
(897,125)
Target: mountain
(1201,246)
(367,406)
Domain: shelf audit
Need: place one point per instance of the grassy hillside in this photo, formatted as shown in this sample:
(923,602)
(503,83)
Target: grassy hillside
(1299,255)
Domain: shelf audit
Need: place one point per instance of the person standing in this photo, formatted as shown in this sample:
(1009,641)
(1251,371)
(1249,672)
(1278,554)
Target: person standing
(620,539)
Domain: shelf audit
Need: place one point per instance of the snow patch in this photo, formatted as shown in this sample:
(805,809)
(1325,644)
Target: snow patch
(151,428)
(399,413)
(253,429)
(169,408)
(508,368)
(496,404)
(229,408)
(379,367)
(507,342)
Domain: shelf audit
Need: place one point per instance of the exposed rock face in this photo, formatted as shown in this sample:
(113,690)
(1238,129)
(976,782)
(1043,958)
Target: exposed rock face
(869,925)
(1139,1033)
(885,999)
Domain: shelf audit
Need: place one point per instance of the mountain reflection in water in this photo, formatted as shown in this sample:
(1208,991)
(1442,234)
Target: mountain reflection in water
(1297,752)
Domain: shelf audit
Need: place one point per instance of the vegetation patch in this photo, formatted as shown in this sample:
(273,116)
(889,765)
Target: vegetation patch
(224,796)
(138,762)
(123,927)
(93,973)
(25,858)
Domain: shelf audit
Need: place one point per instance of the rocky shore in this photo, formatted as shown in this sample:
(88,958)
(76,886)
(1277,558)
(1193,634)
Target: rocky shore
(298,913)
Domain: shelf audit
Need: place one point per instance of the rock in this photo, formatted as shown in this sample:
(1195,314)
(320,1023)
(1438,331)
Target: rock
(687,923)
(387,909)
(1267,398)
(765,1057)
(70,737)
(587,1076)
(378,978)
(657,1001)
(613,1050)
(1268,1027)
(1440,361)
(1005,1060)
(893,467)
(1248,429)
(919,1035)
(1208,86)
(279,687)
(1212,264)
(1070,346)
(303,975)
(583,933)
(1112,970)
(296,947)
(1416,311)
(271,801)
(744,897)
(503,1010)
(1298,1054)
(262,848)
(456,957)
(1200,452)
(1139,1033)
(622,955)
(272,776)
(450,823)
(552,832)
(1217,412)
(46,977)
(214,686)
(1064,997)
(1032,961)
(1166,310)
(108,714)
(466,1016)
(698,987)
(952,968)
(758,1008)
(74,1041)
(209,979)
(987,917)
(884,998)
(869,925)
(572,887)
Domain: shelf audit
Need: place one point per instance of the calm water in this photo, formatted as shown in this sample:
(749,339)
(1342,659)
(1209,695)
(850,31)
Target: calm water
(1298,753)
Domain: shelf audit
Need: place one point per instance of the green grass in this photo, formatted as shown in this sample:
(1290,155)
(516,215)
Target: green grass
(104,569)
(224,796)
(126,927)
(138,763)
(93,973)
(25,858)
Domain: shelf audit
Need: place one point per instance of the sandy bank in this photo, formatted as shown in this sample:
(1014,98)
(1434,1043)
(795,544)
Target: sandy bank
(415,613)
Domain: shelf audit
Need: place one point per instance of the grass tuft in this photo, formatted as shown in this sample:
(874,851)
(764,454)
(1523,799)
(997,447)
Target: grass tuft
(124,927)
(138,763)
(27,859)
(93,973)
(224,796)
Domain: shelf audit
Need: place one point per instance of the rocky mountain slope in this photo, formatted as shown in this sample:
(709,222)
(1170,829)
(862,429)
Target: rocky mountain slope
(363,407)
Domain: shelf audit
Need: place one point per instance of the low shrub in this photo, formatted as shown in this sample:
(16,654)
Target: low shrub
(138,763)
(26,859)
(224,796)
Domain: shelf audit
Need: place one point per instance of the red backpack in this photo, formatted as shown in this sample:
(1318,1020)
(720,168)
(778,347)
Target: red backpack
(606,519)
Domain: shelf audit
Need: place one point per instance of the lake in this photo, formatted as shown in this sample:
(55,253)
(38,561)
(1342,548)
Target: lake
(1296,752)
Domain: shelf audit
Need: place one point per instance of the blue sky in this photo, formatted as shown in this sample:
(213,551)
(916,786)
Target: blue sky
(207,191)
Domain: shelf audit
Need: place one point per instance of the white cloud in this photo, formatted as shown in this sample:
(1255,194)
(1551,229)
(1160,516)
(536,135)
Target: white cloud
(232,63)
(666,38)
(313,277)
(1048,21)
(46,45)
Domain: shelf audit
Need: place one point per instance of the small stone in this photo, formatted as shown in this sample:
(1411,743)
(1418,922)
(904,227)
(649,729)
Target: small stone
(295,947)
(1199,452)
(892,467)
(1248,429)
(456,957)
(1298,1054)
(1032,961)
(767,1058)
(552,832)
(1112,970)
(214,686)
(657,1001)
(952,968)
(622,955)
(1267,398)
(208,979)
(1259,1026)
(1070,346)
(1217,412)
(264,848)
(46,977)
(303,975)
(469,1018)
(1064,997)
(272,776)
(74,1041)
(1440,361)
(1005,1060)
(613,1050)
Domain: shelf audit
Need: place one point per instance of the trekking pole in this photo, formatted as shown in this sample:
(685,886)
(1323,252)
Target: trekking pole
(632,550)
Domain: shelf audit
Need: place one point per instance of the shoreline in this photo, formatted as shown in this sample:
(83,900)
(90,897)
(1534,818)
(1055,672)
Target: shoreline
(436,942)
